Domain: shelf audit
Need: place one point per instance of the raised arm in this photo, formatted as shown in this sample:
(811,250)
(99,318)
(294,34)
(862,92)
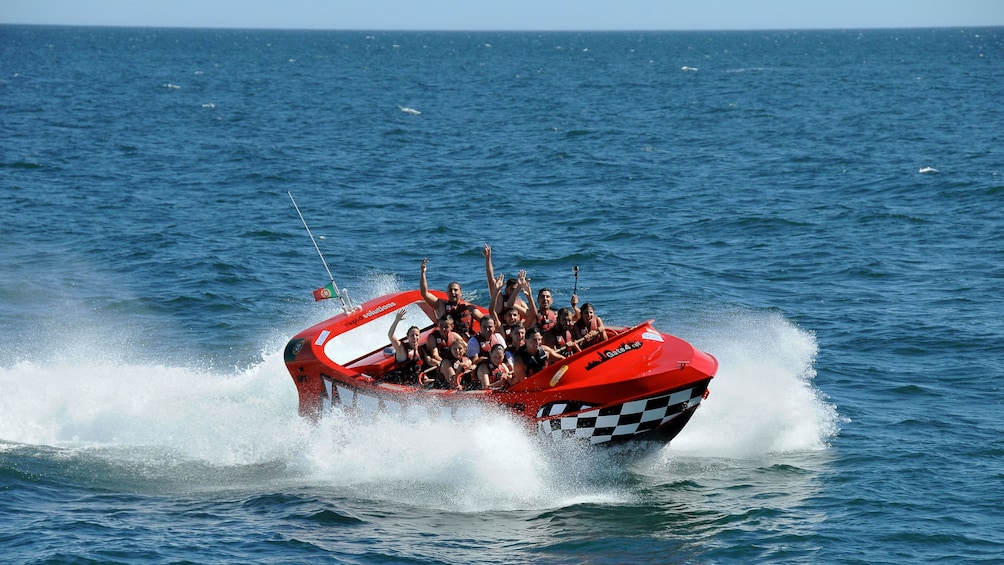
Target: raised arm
(393,326)
(493,306)
(394,341)
(531,314)
(423,287)
(489,269)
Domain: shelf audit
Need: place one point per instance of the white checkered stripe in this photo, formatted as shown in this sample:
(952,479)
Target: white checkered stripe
(357,402)
(622,421)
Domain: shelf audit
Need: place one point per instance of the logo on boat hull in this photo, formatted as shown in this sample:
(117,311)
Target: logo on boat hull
(366,316)
(608,354)
(293,349)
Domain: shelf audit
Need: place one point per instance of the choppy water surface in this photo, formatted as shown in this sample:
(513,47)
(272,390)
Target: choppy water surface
(819,210)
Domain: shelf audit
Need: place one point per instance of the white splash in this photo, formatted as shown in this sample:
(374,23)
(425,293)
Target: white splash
(216,429)
(214,418)
(763,400)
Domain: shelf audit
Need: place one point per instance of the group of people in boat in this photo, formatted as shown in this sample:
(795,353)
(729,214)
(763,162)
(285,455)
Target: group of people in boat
(470,349)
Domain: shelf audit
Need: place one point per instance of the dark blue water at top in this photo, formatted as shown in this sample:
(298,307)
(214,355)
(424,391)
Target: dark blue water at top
(821,210)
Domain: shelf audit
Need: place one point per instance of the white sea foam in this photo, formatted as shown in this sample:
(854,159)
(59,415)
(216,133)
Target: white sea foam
(217,419)
(762,402)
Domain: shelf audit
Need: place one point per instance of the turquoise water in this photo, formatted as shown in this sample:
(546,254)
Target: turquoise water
(819,210)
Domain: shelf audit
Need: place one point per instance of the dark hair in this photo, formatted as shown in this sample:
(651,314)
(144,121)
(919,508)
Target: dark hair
(498,346)
(531,331)
(511,282)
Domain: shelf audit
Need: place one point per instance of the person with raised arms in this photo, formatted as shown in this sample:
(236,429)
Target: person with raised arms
(510,294)
(464,314)
(509,319)
(410,359)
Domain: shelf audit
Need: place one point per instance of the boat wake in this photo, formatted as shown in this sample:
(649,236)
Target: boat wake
(157,428)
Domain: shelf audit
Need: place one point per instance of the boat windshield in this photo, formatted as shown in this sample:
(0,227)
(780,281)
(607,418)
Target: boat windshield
(372,336)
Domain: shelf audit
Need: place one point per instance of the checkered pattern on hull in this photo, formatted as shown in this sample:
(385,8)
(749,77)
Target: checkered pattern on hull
(618,422)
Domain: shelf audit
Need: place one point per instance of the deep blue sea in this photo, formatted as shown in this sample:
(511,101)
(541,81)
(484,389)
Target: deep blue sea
(823,211)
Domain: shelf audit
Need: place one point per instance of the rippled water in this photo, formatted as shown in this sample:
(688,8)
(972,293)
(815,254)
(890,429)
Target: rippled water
(819,210)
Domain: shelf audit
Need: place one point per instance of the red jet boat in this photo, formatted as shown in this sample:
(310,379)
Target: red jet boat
(637,384)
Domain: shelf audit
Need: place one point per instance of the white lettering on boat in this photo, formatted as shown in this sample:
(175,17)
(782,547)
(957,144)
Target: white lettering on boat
(380,309)
(608,354)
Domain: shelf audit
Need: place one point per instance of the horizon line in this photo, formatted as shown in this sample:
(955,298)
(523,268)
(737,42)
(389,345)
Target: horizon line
(495,30)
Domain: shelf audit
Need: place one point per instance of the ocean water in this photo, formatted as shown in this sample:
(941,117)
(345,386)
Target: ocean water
(821,210)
